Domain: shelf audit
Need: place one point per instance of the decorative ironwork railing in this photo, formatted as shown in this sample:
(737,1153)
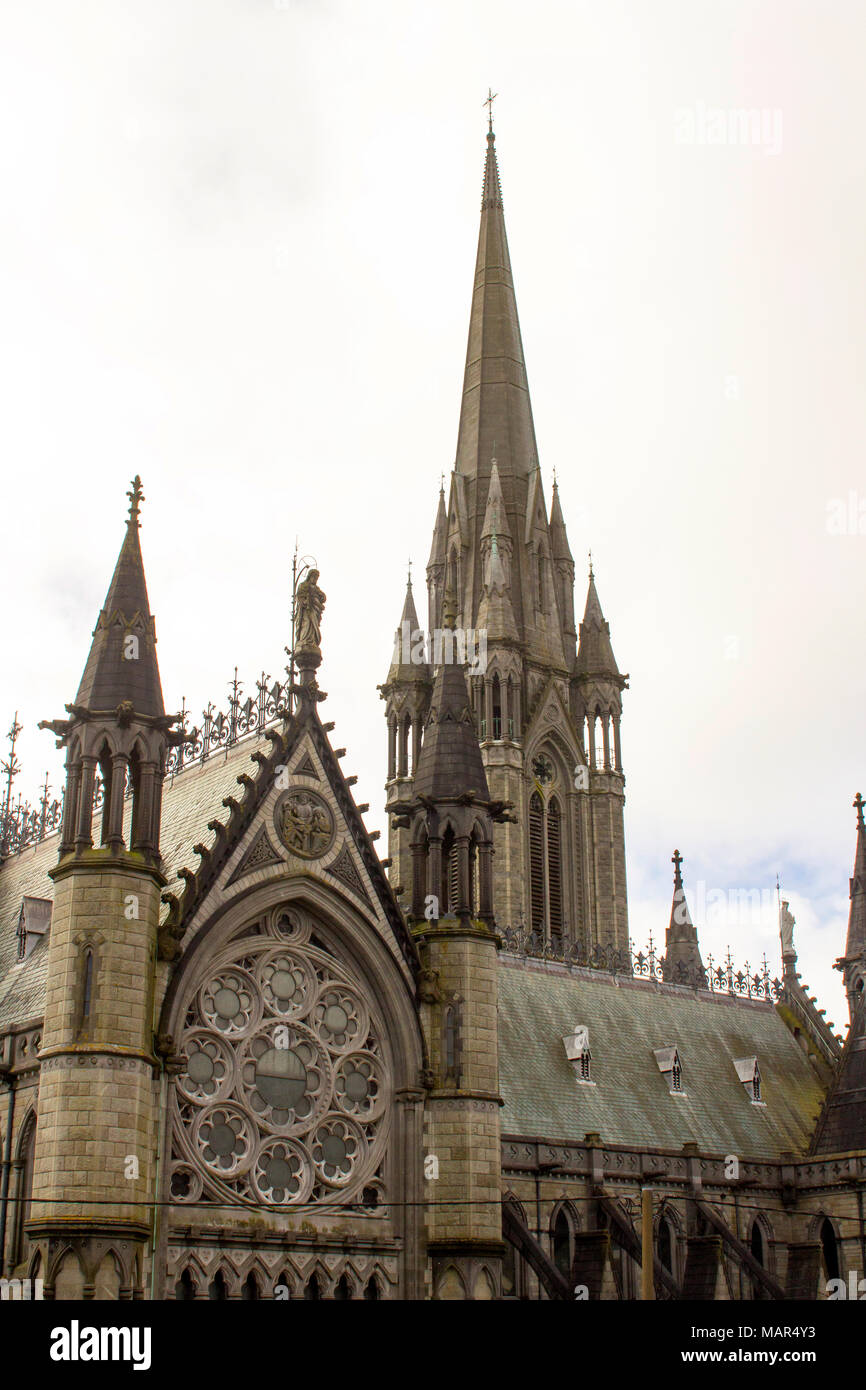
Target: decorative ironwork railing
(721,978)
(23,824)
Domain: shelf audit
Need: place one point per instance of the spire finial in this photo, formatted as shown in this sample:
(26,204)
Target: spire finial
(677,860)
(442,482)
(136,497)
(488,102)
(409,579)
(591,575)
(859,803)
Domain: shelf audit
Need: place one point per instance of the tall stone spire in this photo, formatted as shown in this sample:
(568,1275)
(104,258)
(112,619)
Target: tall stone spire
(559,547)
(682,953)
(122,663)
(853,963)
(496,414)
(408,645)
(594,654)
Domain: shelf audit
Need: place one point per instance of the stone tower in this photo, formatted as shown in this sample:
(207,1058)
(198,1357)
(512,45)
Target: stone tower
(449,822)
(94,1167)
(853,963)
(546,713)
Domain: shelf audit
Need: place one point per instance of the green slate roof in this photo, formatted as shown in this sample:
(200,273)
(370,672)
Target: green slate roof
(630,1102)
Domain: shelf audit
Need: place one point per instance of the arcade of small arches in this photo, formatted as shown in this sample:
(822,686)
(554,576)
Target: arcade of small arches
(344,1283)
(601,739)
(109,769)
(452,864)
(496,704)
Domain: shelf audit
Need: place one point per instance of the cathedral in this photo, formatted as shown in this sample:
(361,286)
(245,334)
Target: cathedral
(245,1055)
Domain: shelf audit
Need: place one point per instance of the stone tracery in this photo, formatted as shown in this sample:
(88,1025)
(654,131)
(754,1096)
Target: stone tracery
(284,1097)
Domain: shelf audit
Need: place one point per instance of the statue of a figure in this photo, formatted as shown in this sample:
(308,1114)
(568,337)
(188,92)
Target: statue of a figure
(308,614)
(786,929)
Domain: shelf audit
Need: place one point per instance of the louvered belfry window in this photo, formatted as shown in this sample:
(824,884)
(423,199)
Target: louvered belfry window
(536,861)
(554,869)
(449,873)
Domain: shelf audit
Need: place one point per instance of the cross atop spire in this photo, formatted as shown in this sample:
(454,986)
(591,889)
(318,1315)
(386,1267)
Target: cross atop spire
(488,102)
(677,860)
(859,803)
(591,575)
(136,497)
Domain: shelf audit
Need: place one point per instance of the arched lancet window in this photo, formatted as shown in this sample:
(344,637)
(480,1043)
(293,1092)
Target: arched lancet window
(218,1291)
(554,868)
(371,1289)
(87,987)
(758,1248)
(312,1292)
(756,1242)
(26,1156)
(600,721)
(497,708)
(283,1286)
(137,827)
(343,1291)
(665,1245)
(184,1289)
(448,892)
(450,1025)
(105,769)
(536,862)
(829,1249)
(452,581)
(563,1254)
(405,746)
(250,1288)
(474,890)
(509,690)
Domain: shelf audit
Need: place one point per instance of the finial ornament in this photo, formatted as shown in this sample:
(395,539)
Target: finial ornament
(409,579)
(488,102)
(859,803)
(677,860)
(591,575)
(136,497)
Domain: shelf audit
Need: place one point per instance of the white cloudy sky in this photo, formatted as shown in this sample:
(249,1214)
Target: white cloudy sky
(236,249)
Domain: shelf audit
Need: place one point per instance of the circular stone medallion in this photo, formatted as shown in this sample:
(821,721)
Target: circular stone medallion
(305,824)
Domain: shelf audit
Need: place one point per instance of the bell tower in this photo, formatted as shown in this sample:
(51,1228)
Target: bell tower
(94,1167)
(545,708)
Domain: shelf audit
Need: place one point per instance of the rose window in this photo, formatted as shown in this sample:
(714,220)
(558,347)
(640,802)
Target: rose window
(284,1095)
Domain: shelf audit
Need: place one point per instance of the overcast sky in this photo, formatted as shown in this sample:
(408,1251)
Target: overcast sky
(237,240)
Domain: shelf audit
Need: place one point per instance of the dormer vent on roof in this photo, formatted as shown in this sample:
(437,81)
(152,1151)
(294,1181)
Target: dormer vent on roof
(577,1051)
(750,1075)
(670,1066)
(34,920)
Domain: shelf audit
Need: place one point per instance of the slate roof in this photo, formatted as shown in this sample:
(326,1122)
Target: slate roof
(630,1102)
